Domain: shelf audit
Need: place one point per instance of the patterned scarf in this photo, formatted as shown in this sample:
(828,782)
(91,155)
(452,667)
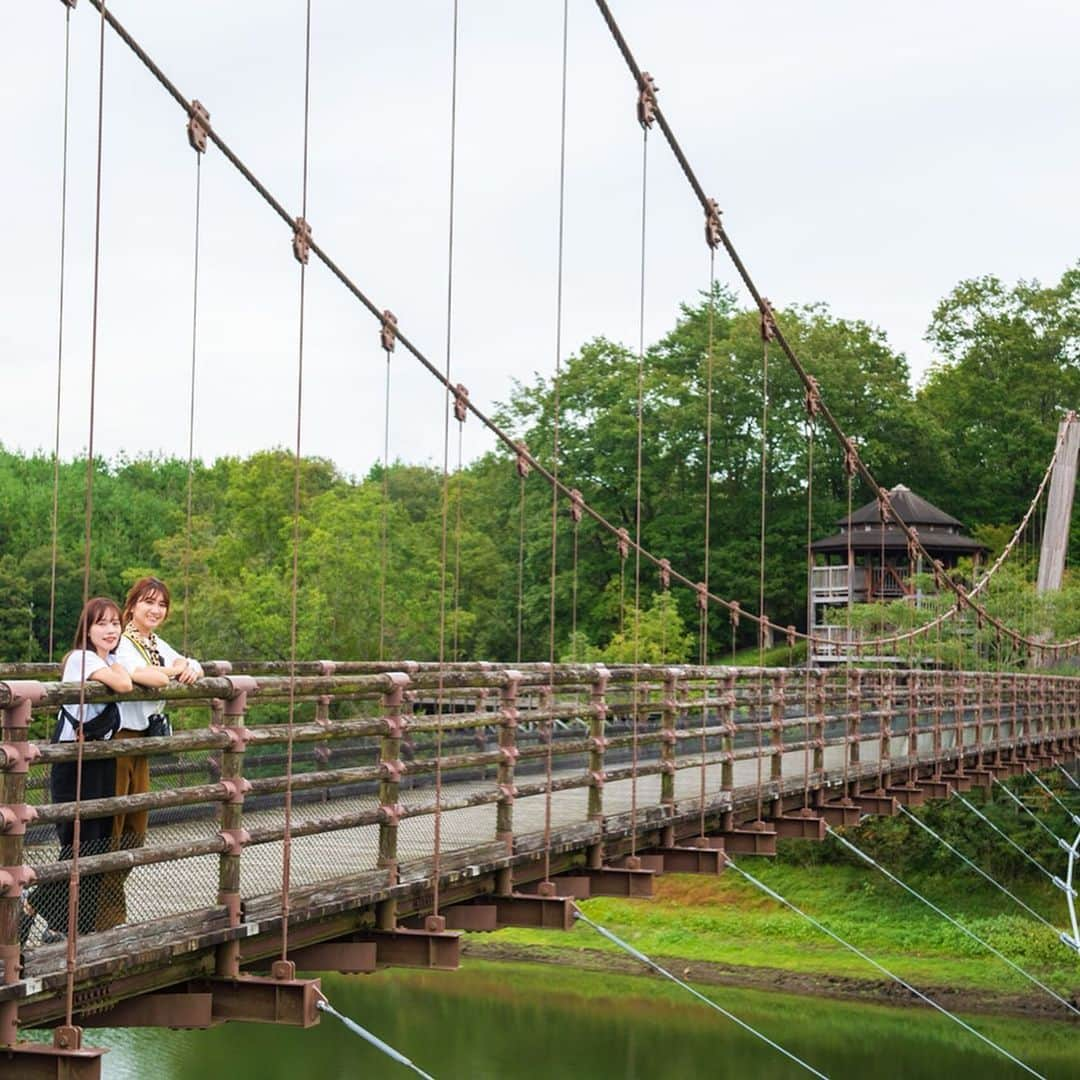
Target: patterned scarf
(147,644)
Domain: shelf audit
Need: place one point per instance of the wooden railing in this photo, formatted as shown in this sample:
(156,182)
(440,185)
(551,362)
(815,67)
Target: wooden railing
(628,747)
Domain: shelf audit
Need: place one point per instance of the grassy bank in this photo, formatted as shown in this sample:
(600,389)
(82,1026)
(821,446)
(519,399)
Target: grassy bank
(725,920)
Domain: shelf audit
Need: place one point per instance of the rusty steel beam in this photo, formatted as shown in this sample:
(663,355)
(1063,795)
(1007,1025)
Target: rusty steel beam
(167,1010)
(935,788)
(841,812)
(878,803)
(619,881)
(345,957)
(750,841)
(406,947)
(800,826)
(262,1000)
(41,1061)
(691,860)
(907,794)
(577,886)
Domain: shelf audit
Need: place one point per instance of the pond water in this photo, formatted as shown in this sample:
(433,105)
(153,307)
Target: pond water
(544,1021)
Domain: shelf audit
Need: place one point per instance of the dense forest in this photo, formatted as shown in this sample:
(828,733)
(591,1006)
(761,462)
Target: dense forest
(974,438)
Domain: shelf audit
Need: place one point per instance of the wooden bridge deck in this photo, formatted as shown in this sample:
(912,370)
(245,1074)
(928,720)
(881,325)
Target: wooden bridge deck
(362,844)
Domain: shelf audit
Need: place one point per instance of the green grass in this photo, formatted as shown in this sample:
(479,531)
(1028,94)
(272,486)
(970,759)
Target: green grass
(726,920)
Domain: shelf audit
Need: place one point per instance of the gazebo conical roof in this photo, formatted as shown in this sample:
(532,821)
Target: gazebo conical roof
(941,534)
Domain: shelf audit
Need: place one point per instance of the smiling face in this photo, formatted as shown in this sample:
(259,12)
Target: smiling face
(149,611)
(105,632)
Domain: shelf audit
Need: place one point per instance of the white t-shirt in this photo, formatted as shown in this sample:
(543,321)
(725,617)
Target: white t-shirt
(135,715)
(73,672)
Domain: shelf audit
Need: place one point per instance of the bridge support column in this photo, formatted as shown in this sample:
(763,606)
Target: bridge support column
(726,711)
(854,722)
(227,962)
(597,745)
(508,718)
(776,722)
(668,718)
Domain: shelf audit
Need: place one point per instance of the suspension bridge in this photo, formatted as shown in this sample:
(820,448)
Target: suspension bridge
(401,803)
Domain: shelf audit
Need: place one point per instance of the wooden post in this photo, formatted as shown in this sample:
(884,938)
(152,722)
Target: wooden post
(776,718)
(1055,539)
(914,681)
(819,729)
(854,719)
(885,728)
(227,961)
(508,720)
(597,744)
(14,875)
(668,718)
(390,772)
(726,716)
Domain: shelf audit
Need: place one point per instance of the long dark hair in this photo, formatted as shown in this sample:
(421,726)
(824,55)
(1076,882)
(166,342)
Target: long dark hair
(95,609)
(143,589)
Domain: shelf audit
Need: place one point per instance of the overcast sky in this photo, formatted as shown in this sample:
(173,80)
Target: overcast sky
(869,155)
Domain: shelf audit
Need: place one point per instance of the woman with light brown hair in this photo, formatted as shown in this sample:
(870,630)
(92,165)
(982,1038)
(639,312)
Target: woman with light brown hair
(151,662)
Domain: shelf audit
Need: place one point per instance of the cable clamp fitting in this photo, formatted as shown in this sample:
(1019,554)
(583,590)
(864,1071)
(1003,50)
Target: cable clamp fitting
(713,229)
(702,596)
(198,127)
(813,397)
(768,321)
(461,403)
(622,542)
(301,242)
(646,103)
(388,332)
(665,574)
(523,465)
(577,503)
(735,611)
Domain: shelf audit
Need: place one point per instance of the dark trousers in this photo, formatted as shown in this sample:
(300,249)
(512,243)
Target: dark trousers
(51,899)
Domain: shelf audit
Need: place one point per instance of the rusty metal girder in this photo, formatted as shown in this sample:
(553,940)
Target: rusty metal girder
(343,956)
(799,826)
(841,812)
(406,947)
(573,885)
(691,860)
(935,788)
(167,1010)
(982,777)
(750,841)
(645,861)
(262,1000)
(961,781)
(879,803)
(619,881)
(41,1061)
(907,794)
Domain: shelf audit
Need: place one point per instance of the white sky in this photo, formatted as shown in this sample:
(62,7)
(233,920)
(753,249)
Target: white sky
(865,154)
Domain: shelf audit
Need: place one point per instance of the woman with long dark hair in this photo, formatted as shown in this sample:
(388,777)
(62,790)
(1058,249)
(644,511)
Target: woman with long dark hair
(92,660)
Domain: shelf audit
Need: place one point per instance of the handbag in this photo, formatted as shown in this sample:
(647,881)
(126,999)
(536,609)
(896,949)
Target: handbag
(103,726)
(158,726)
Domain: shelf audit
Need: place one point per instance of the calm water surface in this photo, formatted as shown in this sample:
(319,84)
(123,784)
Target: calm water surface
(542,1021)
